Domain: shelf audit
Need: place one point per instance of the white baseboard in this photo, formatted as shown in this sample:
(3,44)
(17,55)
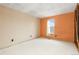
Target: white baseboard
(17,43)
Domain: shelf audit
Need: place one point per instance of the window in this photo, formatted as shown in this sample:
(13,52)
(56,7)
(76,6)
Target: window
(50,26)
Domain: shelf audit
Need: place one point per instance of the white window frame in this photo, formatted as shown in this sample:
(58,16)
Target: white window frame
(48,26)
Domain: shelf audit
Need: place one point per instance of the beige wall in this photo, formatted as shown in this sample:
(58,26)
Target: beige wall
(17,25)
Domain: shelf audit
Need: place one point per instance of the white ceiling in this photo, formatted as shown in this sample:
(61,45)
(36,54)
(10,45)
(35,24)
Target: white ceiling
(42,9)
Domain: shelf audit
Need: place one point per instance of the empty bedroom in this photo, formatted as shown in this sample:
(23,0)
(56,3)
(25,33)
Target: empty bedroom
(39,29)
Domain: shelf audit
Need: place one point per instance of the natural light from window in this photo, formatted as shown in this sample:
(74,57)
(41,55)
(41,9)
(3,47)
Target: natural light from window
(50,26)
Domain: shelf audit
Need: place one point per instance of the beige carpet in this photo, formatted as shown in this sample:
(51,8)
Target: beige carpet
(41,46)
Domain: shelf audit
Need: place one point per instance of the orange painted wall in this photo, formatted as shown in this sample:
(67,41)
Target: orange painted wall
(64,26)
(43,23)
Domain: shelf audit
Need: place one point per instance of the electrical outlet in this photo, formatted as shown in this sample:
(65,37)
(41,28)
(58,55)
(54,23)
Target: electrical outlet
(30,35)
(12,40)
